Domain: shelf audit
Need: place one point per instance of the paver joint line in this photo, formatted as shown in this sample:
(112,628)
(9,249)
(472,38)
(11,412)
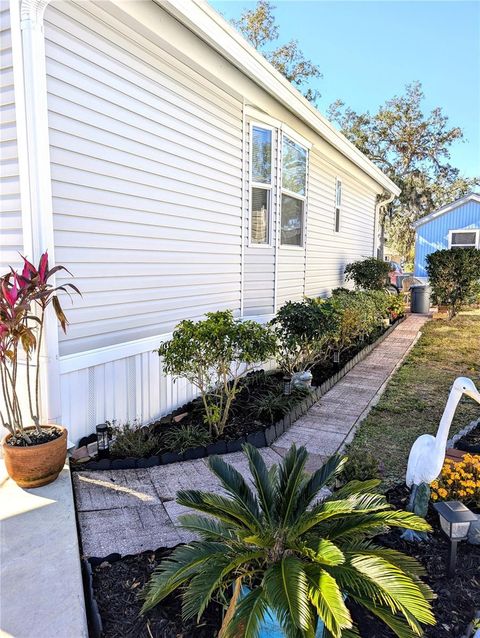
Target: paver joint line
(129,511)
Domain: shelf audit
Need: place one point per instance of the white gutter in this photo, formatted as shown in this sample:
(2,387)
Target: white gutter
(208,25)
(380,204)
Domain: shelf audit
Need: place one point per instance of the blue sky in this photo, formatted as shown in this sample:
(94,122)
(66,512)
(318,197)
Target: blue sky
(368,51)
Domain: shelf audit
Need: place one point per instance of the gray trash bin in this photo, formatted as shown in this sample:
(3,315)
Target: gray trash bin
(420,300)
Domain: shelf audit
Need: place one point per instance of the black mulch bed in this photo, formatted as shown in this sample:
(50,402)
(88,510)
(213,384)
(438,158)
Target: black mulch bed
(116,587)
(117,584)
(470,442)
(457,598)
(259,404)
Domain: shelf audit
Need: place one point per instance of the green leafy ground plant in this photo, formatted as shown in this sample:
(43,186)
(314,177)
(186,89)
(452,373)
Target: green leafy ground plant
(298,556)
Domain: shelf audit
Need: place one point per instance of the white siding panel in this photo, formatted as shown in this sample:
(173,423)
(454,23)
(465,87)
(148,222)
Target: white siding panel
(11,237)
(328,252)
(146,179)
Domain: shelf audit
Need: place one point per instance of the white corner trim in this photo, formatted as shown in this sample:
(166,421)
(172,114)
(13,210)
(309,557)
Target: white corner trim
(471,197)
(37,203)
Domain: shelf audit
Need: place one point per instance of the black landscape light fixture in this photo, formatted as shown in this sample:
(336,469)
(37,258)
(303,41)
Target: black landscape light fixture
(455,519)
(336,356)
(287,385)
(103,444)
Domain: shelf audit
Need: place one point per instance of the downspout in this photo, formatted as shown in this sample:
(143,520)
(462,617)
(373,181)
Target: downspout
(381,203)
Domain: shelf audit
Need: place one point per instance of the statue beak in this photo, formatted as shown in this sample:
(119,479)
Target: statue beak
(474,394)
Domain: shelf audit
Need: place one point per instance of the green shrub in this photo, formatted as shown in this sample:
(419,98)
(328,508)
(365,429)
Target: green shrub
(454,276)
(186,436)
(302,332)
(360,466)
(295,554)
(368,274)
(352,316)
(133,439)
(213,355)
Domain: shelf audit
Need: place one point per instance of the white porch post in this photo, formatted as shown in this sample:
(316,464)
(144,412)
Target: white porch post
(37,164)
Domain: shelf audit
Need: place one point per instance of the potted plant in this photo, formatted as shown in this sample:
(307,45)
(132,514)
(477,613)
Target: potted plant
(34,454)
(291,558)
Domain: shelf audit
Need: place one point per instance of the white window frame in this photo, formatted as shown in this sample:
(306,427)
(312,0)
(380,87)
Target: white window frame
(284,191)
(267,187)
(338,206)
(464,230)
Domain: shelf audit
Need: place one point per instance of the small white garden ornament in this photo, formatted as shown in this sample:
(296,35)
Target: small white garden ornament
(427,455)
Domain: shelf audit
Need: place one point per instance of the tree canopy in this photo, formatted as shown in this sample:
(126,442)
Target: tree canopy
(259,27)
(413,148)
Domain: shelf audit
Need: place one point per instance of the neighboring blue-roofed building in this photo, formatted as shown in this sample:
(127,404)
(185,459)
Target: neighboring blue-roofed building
(456,225)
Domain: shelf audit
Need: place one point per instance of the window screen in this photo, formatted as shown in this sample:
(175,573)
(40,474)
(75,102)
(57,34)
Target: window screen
(466,239)
(292,221)
(260,217)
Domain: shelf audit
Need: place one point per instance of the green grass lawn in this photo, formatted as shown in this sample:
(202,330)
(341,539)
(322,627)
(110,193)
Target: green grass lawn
(415,397)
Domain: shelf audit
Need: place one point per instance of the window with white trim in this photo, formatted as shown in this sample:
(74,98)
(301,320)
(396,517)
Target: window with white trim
(464,239)
(261,185)
(338,204)
(294,189)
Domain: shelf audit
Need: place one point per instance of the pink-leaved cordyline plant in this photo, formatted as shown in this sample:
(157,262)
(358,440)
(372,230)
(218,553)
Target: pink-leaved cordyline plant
(24,299)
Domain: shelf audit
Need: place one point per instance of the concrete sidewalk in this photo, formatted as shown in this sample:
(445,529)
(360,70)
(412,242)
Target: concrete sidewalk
(41,590)
(130,511)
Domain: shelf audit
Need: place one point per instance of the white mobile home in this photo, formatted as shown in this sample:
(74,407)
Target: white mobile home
(173,171)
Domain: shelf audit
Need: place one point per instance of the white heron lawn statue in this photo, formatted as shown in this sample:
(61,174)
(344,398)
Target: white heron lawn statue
(427,455)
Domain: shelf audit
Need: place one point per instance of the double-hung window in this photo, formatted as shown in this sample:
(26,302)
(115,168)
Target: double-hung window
(294,186)
(464,239)
(338,204)
(261,185)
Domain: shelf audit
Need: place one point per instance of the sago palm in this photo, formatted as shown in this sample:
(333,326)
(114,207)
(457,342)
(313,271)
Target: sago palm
(280,549)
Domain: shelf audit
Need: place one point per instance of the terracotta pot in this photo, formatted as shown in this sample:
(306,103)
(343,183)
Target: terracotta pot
(35,465)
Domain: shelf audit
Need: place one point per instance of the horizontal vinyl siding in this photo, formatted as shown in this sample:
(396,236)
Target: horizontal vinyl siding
(433,235)
(11,239)
(146,161)
(328,251)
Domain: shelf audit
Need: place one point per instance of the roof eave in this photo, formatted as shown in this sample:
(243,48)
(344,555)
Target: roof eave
(207,24)
(475,197)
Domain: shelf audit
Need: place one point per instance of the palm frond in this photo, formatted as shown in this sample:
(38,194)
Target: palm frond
(330,508)
(261,480)
(291,475)
(373,523)
(318,480)
(286,588)
(235,485)
(322,551)
(401,587)
(327,598)
(202,586)
(225,509)
(208,528)
(183,563)
(407,563)
(249,615)
(355,487)
(397,624)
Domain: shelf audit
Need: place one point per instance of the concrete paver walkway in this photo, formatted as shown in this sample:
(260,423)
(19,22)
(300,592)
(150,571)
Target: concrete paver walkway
(130,511)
